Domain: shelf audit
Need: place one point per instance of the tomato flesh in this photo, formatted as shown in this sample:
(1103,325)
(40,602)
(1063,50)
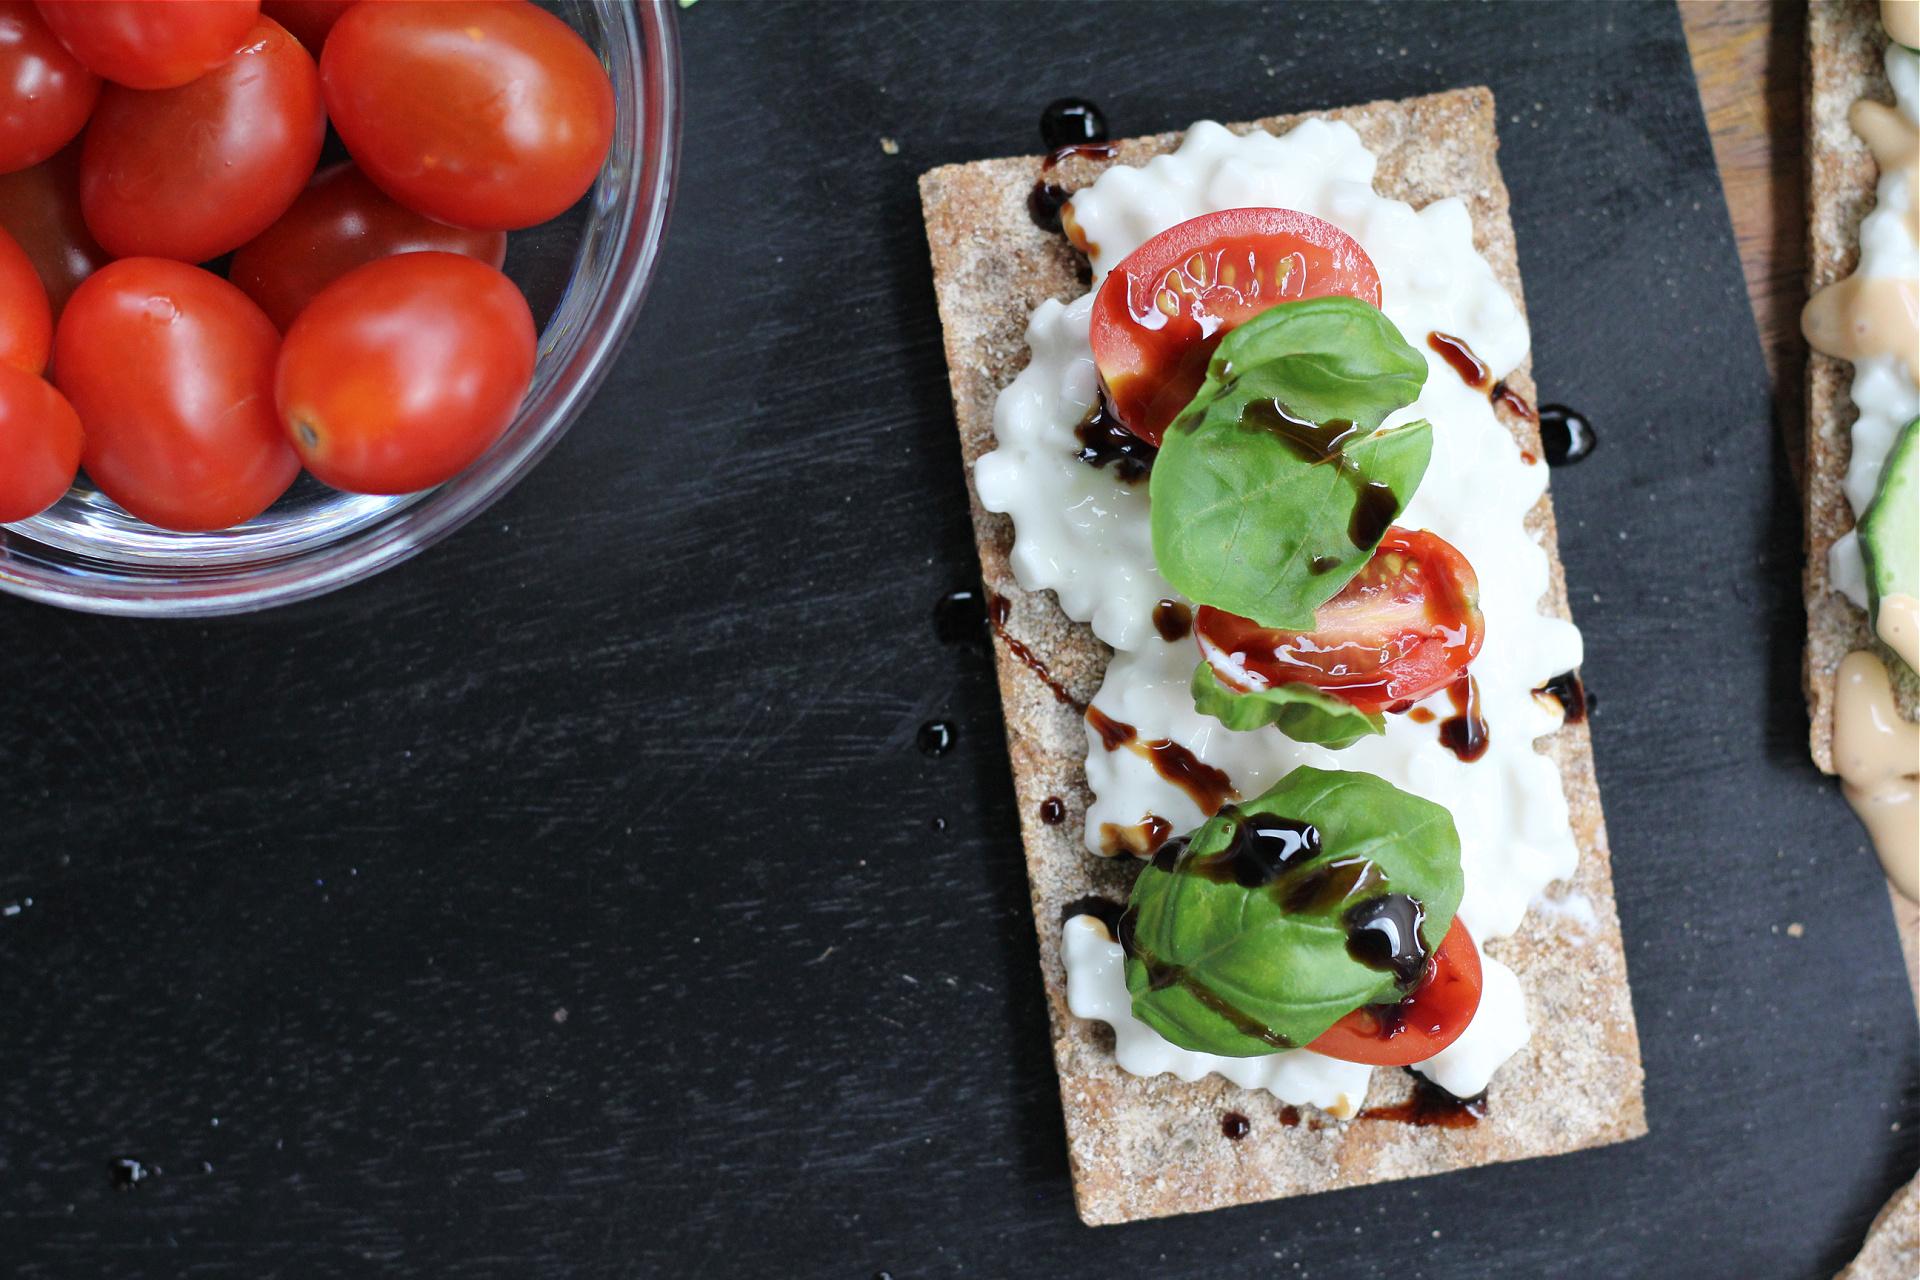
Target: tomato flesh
(40,208)
(144,45)
(26,318)
(171,371)
(1400,631)
(46,93)
(40,440)
(308,20)
(1427,1021)
(195,172)
(1162,311)
(403,371)
(341,221)
(485,115)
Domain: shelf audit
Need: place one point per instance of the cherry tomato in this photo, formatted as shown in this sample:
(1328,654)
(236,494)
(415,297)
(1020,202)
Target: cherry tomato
(40,208)
(144,45)
(308,20)
(40,441)
(1162,311)
(26,319)
(341,221)
(1407,624)
(403,371)
(45,92)
(480,113)
(171,371)
(1399,1035)
(195,172)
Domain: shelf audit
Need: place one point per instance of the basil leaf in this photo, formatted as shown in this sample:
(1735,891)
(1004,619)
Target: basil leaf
(1299,710)
(1220,967)
(1273,487)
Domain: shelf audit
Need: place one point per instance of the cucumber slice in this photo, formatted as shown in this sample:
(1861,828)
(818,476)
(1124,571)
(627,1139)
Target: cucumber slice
(1890,529)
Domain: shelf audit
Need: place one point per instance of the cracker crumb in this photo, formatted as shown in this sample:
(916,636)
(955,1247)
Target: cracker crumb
(890,146)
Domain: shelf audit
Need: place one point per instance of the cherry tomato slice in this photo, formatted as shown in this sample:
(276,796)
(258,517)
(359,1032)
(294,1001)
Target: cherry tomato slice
(143,45)
(40,441)
(171,371)
(308,20)
(475,112)
(1162,311)
(46,93)
(195,172)
(403,371)
(1399,1035)
(26,318)
(342,221)
(1401,630)
(40,208)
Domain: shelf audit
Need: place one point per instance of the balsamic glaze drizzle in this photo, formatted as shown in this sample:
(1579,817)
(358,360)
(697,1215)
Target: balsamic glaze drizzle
(1566,435)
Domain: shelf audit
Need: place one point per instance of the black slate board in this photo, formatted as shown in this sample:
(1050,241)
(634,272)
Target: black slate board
(310,890)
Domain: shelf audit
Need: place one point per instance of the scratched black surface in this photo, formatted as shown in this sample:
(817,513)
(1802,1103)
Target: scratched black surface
(310,890)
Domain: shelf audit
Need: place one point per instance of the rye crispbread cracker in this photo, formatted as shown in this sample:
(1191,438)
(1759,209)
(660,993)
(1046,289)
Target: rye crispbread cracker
(1143,1148)
(1892,1251)
(1845,48)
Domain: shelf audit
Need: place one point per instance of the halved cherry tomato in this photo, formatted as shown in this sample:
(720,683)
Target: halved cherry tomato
(403,371)
(26,318)
(480,113)
(1399,1035)
(1401,630)
(308,20)
(341,221)
(46,93)
(40,207)
(195,172)
(144,45)
(1163,310)
(171,371)
(40,441)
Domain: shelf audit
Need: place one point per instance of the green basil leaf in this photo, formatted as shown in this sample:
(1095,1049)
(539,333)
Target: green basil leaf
(1298,710)
(1216,966)
(1273,486)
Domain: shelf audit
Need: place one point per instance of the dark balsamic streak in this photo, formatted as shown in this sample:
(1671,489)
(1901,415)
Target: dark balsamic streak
(1209,787)
(1570,692)
(1464,733)
(1506,395)
(1044,203)
(1091,150)
(1104,441)
(1472,370)
(997,614)
(1432,1107)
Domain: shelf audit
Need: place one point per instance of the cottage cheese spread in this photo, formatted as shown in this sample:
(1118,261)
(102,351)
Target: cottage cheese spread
(1085,534)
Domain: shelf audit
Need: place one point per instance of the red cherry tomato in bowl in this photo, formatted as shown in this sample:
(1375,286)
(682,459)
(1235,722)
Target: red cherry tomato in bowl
(403,371)
(195,172)
(171,371)
(146,45)
(1400,631)
(1399,1035)
(40,208)
(341,221)
(40,441)
(491,114)
(45,92)
(26,318)
(1162,311)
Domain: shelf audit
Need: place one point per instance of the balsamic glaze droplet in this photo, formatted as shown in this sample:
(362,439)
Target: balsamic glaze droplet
(936,737)
(1566,435)
(1235,1126)
(1103,441)
(125,1173)
(939,824)
(1169,853)
(1173,620)
(1571,693)
(960,619)
(1384,933)
(1260,850)
(1052,811)
(1069,122)
(1043,205)
(1105,910)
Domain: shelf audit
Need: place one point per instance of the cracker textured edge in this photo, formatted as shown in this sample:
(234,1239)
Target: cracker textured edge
(1142,1148)
(1892,1251)
(1845,47)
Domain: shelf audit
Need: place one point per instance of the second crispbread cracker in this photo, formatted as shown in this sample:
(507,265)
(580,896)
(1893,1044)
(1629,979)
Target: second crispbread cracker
(1142,1148)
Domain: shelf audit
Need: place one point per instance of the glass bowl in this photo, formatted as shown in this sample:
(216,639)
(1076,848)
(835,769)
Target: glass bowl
(85,553)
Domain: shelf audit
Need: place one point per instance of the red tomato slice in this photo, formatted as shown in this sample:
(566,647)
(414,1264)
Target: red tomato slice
(479,114)
(195,172)
(1399,1035)
(342,221)
(1163,310)
(144,45)
(26,318)
(403,371)
(40,441)
(1407,624)
(46,93)
(171,371)
(40,207)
